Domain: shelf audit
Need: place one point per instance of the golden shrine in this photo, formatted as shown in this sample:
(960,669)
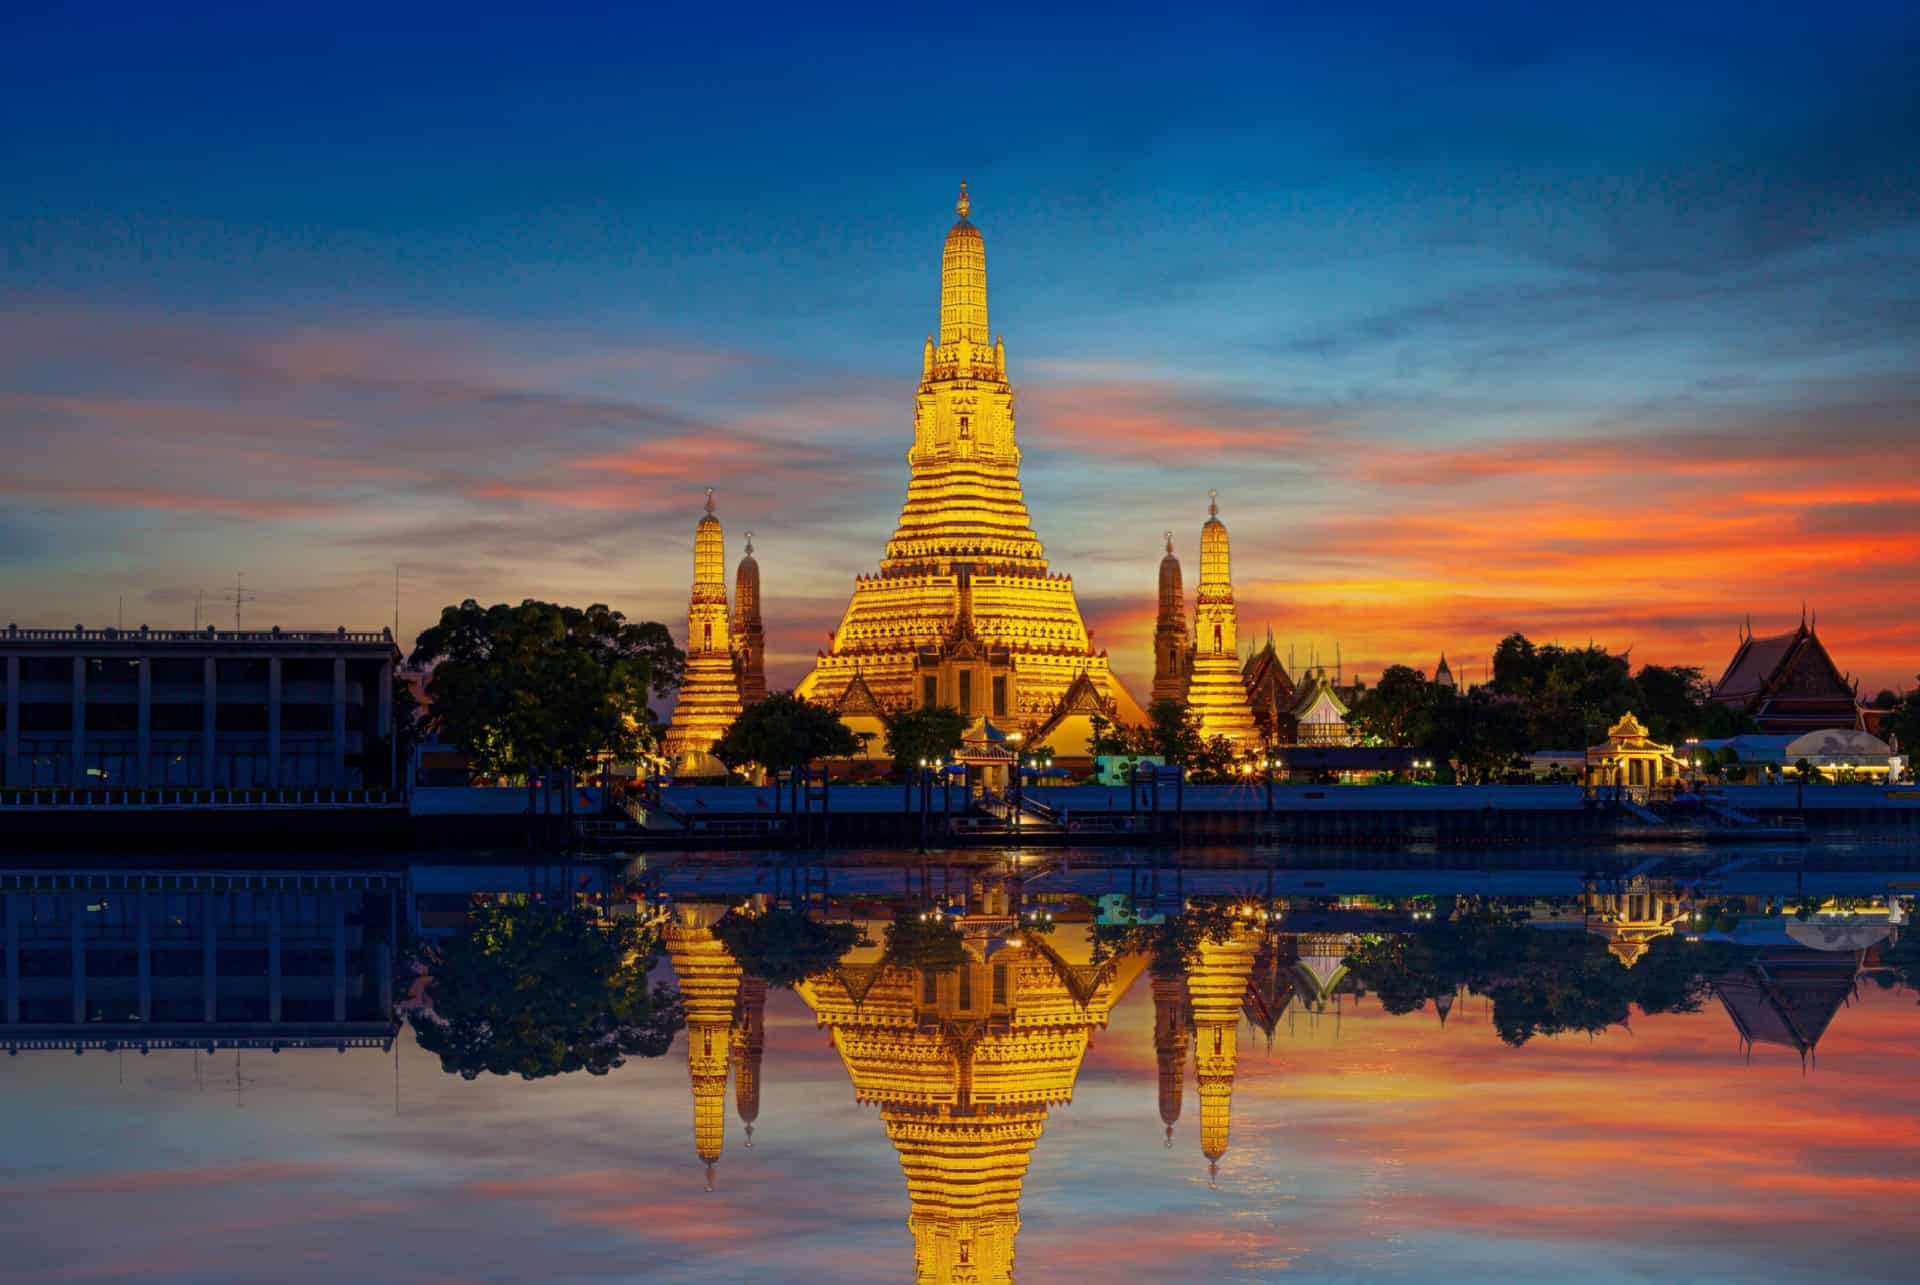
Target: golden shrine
(720,676)
(1630,918)
(1216,690)
(963,610)
(1632,758)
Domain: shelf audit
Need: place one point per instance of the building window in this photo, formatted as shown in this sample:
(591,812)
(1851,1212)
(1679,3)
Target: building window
(929,691)
(1000,695)
(929,986)
(999,985)
(966,691)
(708,632)
(966,988)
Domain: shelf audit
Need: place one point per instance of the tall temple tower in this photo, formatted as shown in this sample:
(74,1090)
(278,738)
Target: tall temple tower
(749,1044)
(749,637)
(710,692)
(709,982)
(964,523)
(965,1065)
(1216,690)
(1216,986)
(1171,644)
(1170,1021)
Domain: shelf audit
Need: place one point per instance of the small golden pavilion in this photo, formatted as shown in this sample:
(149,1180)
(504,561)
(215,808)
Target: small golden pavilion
(1632,758)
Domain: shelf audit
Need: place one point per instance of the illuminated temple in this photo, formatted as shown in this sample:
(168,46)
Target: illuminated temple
(964,1065)
(1216,688)
(963,610)
(719,673)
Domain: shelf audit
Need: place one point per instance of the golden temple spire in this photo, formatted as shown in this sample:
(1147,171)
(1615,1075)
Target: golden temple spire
(1216,690)
(1171,644)
(749,634)
(963,206)
(1170,1021)
(963,284)
(749,1043)
(709,981)
(709,697)
(1216,985)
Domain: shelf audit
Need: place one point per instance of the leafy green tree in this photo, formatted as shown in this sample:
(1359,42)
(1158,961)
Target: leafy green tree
(784,733)
(532,989)
(931,734)
(1672,701)
(785,946)
(1398,710)
(1214,761)
(1901,727)
(539,687)
(1516,667)
(1172,732)
(1480,732)
(1172,946)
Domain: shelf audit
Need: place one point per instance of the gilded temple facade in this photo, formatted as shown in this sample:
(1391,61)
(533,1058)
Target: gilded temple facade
(965,549)
(1216,988)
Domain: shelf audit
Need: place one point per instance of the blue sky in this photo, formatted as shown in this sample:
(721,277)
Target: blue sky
(308,295)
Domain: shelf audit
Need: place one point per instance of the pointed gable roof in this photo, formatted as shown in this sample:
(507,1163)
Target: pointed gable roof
(858,698)
(1789,682)
(1083,700)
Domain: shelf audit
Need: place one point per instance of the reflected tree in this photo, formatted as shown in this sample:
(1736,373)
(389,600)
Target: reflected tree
(533,989)
(785,947)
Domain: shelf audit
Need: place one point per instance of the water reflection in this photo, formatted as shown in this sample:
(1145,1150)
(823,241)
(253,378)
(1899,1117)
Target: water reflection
(966,1023)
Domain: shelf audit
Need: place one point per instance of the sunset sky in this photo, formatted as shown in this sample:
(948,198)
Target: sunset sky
(1589,324)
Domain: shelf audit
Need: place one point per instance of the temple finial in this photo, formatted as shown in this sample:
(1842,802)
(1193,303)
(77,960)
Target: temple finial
(1213,504)
(709,1175)
(749,544)
(1169,542)
(964,204)
(709,501)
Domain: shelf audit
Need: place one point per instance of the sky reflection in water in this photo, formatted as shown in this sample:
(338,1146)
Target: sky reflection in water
(1374,1145)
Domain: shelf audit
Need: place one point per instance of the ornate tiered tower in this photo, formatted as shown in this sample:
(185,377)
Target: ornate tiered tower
(749,1043)
(1170,1019)
(964,522)
(1216,986)
(964,1066)
(709,982)
(749,638)
(1171,644)
(1216,691)
(710,692)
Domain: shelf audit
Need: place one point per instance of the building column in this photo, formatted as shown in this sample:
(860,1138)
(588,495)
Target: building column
(144,745)
(273,720)
(77,934)
(13,957)
(209,961)
(339,959)
(340,720)
(146,958)
(209,716)
(384,725)
(13,720)
(273,962)
(77,737)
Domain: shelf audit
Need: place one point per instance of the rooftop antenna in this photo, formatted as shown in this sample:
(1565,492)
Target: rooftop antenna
(396,602)
(240,597)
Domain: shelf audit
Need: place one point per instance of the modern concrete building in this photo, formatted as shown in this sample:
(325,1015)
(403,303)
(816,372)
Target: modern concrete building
(142,708)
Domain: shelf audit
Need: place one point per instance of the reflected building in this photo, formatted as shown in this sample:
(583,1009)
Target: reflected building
(749,1045)
(709,983)
(965,1065)
(1172,1020)
(1788,997)
(1631,918)
(1216,985)
(193,960)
